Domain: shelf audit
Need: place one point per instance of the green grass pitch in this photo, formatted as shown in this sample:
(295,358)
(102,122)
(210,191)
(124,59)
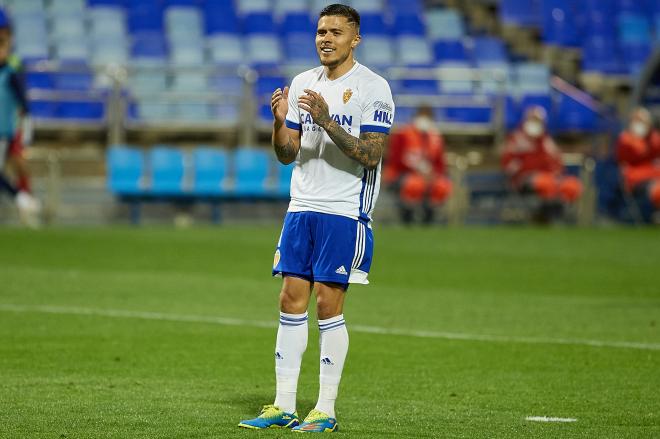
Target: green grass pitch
(119,333)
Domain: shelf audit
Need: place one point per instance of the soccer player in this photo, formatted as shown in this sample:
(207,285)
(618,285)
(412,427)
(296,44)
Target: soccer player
(14,113)
(334,123)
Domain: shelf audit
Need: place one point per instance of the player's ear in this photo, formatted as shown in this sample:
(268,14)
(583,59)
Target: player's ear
(356,41)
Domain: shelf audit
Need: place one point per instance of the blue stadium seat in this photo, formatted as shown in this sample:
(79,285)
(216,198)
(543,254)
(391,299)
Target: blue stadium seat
(145,16)
(39,79)
(83,111)
(406,6)
(251,168)
(210,166)
(264,88)
(560,23)
(118,3)
(263,50)
(601,54)
(373,24)
(298,23)
(184,23)
(409,24)
(413,51)
(166,170)
(444,24)
(227,84)
(376,51)
(189,81)
(226,49)
(149,45)
(634,29)
(641,7)
(488,50)
(81,80)
(125,170)
(259,23)
(284,7)
(522,13)
(253,6)
(284,178)
(43,109)
(220,17)
(300,48)
(574,116)
(449,50)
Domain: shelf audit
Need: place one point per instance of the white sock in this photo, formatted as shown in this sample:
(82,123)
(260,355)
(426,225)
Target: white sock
(334,347)
(289,348)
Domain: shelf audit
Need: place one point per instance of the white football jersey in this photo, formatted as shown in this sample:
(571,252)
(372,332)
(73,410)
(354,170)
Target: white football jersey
(325,179)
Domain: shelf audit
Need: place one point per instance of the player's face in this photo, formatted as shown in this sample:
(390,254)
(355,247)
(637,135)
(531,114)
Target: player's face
(335,40)
(5,44)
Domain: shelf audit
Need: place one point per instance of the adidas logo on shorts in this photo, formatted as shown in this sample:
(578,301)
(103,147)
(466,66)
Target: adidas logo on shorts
(341,270)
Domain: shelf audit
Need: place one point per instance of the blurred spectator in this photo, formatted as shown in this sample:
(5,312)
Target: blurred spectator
(15,123)
(533,163)
(638,154)
(415,167)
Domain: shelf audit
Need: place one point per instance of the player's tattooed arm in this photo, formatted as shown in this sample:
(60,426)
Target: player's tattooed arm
(285,153)
(286,141)
(367,150)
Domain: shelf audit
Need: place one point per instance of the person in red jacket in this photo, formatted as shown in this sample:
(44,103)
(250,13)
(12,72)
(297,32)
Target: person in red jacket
(532,161)
(638,154)
(415,167)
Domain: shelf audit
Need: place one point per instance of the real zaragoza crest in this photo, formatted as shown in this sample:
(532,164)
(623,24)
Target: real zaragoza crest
(347,95)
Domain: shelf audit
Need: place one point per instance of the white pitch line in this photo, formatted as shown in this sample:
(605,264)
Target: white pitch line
(228,321)
(548,419)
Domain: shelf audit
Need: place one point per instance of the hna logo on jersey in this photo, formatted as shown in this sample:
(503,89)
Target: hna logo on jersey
(383,117)
(341,119)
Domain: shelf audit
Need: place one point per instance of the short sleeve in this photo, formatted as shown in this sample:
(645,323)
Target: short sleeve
(377,108)
(293,115)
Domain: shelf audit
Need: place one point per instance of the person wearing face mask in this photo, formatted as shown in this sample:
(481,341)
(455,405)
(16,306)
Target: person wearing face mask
(415,167)
(532,161)
(638,154)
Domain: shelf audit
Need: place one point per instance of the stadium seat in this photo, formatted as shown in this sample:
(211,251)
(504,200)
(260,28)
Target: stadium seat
(453,86)
(154,110)
(532,78)
(449,50)
(67,6)
(220,17)
(298,23)
(363,6)
(284,7)
(107,22)
(601,55)
(192,111)
(73,50)
(189,81)
(210,171)
(409,24)
(225,115)
(81,111)
(125,170)
(251,167)
(106,52)
(259,23)
(300,48)
(149,46)
(187,54)
(372,24)
(33,51)
(77,78)
(263,50)
(145,16)
(226,49)
(415,7)
(68,27)
(43,109)
(167,168)
(284,178)
(413,51)
(39,79)
(376,51)
(574,116)
(253,6)
(560,23)
(27,6)
(184,23)
(488,51)
(522,13)
(444,24)
(227,84)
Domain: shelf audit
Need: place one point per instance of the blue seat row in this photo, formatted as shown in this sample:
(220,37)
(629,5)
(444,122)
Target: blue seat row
(167,172)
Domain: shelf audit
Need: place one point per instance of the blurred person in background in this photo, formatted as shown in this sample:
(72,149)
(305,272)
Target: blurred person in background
(532,161)
(638,155)
(15,123)
(415,168)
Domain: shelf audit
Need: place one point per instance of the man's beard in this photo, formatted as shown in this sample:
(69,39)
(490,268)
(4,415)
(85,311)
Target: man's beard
(333,63)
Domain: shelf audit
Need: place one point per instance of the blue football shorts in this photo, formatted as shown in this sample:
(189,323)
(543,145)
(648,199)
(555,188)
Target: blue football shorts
(321,247)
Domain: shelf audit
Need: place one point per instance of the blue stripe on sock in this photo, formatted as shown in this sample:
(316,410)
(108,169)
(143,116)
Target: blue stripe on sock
(331,326)
(291,324)
(291,319)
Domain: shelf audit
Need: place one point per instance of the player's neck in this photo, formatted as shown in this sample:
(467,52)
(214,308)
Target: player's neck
(333,73)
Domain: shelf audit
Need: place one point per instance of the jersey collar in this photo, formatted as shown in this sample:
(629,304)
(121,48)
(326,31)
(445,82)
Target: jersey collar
(342,77)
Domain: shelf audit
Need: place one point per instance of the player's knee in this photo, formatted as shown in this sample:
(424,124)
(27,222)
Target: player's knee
(328,305)
(545,185)
(570,189)
(413,188)
(292,302)
(440,190)
(654,193)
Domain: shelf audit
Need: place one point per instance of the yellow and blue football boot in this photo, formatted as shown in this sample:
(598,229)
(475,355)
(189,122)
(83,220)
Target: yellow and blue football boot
(271,417)
(317,422)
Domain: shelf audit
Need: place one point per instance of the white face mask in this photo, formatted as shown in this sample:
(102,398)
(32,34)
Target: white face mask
(424,124)
(639,129)
(533,128)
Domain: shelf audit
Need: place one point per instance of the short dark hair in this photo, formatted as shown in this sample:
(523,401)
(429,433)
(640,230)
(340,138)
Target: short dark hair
(342,10)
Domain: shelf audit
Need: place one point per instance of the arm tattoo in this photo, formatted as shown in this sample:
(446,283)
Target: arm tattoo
(285,153)
(367,150)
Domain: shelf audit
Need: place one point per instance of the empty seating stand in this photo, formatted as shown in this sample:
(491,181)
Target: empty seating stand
(200,175)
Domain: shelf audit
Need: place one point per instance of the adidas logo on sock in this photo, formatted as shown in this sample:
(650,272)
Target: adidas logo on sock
(341,270)
(327,361)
